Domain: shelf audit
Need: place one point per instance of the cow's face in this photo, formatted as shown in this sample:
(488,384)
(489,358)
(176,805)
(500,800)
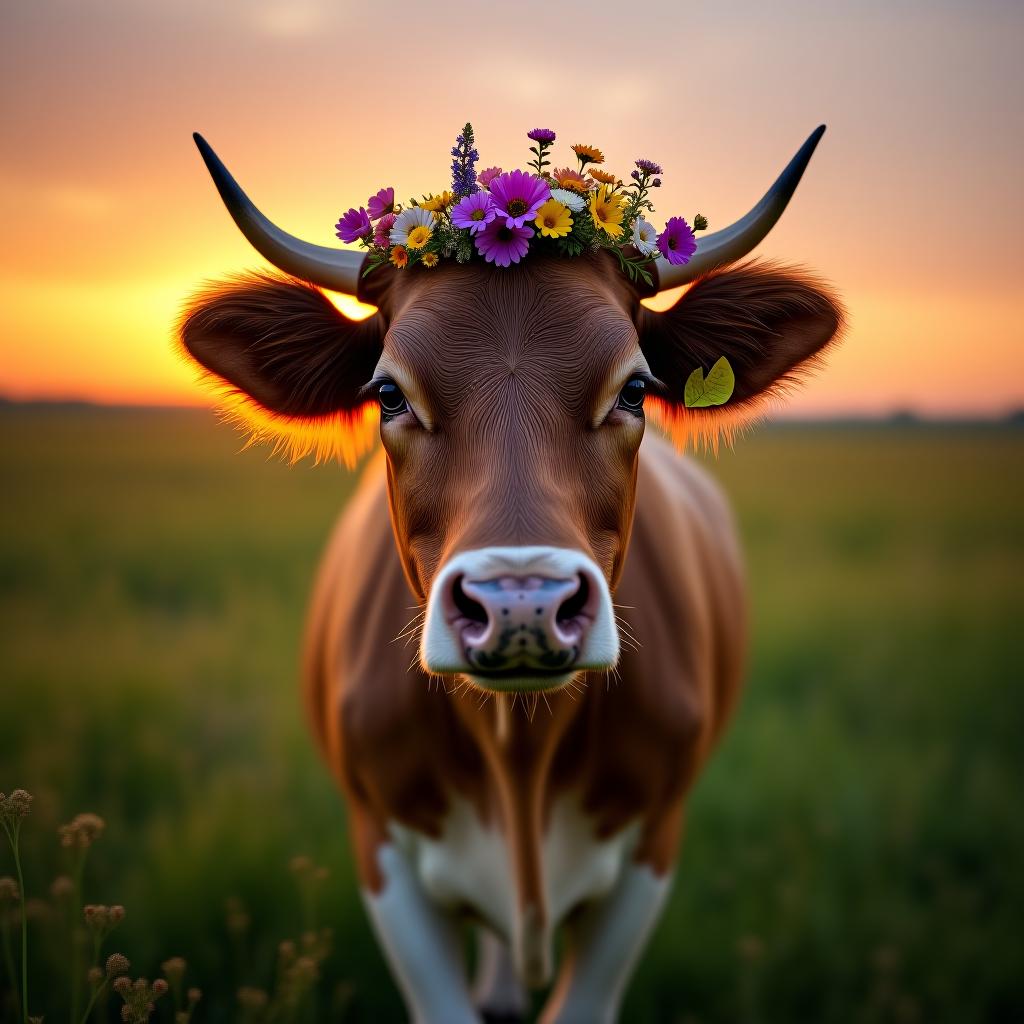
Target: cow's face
(511,410)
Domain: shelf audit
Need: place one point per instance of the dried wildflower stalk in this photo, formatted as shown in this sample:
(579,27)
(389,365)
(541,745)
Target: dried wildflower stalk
(13,811)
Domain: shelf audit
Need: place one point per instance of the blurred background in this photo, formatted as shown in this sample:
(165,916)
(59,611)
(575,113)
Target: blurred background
(854,850)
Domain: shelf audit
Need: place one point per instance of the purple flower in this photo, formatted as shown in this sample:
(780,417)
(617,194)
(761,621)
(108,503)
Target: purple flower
(383,202)
(353,225)
(649,167)
(676,242)
(485,177)
(518,196)
(545,135)
(382,233)
(464,163)
(502,245)
(474,212)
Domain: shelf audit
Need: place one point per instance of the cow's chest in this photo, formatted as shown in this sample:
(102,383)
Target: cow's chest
(471,867)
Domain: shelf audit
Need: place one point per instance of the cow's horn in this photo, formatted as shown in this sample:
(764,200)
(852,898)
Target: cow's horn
(734,242)
(336,269)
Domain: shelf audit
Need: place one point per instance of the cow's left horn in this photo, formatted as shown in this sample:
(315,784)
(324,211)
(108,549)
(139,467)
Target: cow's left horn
(734,242)
(336,269)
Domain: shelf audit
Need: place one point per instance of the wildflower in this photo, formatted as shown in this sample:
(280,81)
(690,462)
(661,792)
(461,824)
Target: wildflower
(95,976)
(603,177)
(251,998)
(428,259)
(676,242)
(414,217)
(418,237)
(588,155)
(8,890)
(464,163)
(645,238)
(159,987)
(700,222)
(607,210)
(649,167)
(117,964)
(656,183)
(14,807)
(485,177)
(570,179)
(174,969)
(383,229)
(502,245)
(62,887)
(399,256)
(437,204)
(81,832)
(573,200)
(354,224)
(553,220)
(543,135)
(380,204)
(474,212)
(518,196)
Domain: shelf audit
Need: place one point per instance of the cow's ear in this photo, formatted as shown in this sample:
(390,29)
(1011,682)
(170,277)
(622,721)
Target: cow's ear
(287,364)
(771,323)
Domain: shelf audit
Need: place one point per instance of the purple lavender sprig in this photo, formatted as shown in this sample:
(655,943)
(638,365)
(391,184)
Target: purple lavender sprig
(464,164)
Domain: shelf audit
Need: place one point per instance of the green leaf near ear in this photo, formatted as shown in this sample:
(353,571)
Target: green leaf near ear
(715,389)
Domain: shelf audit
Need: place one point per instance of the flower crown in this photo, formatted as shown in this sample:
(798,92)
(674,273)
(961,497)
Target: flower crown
(500,214)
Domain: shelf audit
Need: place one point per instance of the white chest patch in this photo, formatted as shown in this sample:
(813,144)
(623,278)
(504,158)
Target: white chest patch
(469,867)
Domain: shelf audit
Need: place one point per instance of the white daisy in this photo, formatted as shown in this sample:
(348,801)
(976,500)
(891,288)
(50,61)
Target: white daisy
(645,238)
(413,217)
(570,199)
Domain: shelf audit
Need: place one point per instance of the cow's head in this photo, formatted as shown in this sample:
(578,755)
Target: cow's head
(511,406)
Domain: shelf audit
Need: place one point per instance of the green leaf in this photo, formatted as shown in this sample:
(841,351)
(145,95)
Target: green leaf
(715,389)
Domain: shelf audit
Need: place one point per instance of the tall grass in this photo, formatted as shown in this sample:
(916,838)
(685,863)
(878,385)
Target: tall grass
(852,853)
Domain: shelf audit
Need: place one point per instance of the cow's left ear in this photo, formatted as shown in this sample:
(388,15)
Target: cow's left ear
(287,365)
(770,322)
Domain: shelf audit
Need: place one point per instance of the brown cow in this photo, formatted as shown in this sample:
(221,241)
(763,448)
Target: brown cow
(521,499)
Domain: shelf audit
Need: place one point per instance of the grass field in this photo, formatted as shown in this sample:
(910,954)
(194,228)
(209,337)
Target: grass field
(855,851)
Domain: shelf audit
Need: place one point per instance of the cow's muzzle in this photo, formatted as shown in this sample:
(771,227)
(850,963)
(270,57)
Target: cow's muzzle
(519,618)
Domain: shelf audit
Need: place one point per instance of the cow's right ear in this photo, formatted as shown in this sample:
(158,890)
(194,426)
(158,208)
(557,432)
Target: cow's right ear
(289,366)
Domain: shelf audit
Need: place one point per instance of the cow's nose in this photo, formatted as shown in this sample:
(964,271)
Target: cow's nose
(519,618)
(511,623)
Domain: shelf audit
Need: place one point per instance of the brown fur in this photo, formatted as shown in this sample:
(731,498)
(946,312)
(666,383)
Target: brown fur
(509,369)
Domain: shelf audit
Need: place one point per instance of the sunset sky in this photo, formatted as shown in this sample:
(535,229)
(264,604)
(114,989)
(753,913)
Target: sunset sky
(912,205)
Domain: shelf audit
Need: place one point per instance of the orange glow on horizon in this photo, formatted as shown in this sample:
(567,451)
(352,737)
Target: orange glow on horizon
(111,221)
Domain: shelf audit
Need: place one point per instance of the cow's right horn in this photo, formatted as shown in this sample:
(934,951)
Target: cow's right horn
(336,269)
(735,241)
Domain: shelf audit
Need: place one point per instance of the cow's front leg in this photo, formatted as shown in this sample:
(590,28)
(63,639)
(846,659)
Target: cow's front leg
(604,942)
(421,943)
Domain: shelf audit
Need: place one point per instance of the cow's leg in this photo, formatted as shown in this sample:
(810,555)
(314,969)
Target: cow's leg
(604,942)
(421,943)
(498,993)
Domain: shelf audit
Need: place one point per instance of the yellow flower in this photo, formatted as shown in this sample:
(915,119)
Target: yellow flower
(418,237)
(607,210)
(429,259)
(553,220)
(588,155)
(399,256)
(604,177)
(438,204)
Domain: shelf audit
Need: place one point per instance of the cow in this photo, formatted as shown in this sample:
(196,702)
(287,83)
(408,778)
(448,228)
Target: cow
(581,609)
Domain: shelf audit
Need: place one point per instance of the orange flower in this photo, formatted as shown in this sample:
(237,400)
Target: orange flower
(604,177)
(588,155)
(399,256)
(569,179)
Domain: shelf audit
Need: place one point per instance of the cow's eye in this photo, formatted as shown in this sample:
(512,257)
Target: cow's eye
(392,401)
(631,397)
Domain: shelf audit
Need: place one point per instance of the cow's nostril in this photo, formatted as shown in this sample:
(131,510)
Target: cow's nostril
(468,608)
(574,603)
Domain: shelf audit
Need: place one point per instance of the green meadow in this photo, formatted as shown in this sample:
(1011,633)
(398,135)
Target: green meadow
(854,853)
